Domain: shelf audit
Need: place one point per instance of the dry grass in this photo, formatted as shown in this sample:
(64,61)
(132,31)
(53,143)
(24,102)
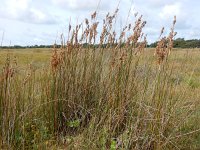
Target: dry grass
(114,96)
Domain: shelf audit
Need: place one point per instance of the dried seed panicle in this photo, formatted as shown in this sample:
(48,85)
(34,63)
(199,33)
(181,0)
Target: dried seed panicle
(93,16)
(55,60)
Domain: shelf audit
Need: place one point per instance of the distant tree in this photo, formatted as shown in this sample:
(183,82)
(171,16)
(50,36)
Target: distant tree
(182,43)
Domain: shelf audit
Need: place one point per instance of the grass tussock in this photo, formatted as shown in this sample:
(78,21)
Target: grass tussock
(100,91)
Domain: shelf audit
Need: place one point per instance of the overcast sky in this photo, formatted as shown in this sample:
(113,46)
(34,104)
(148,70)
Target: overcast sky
(30,22)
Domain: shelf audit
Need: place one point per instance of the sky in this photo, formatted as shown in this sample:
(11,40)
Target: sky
(40,22)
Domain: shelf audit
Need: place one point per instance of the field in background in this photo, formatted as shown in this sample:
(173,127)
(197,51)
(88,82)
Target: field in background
(188,59)
(26,56)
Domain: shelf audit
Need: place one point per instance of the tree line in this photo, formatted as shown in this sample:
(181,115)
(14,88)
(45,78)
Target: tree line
(178,43)
(182,43)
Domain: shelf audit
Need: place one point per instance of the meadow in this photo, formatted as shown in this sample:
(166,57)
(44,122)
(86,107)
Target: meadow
(117,95)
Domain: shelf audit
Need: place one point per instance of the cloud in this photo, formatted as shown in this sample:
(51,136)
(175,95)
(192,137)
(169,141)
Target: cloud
(22,10)
(194,33)
(160,3)
(81,5)
(175,9)
(170,10)
(17,6)
(38,17)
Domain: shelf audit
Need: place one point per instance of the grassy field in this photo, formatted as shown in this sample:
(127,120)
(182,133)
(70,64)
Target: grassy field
(26,56)
(32,108)
(120,95)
